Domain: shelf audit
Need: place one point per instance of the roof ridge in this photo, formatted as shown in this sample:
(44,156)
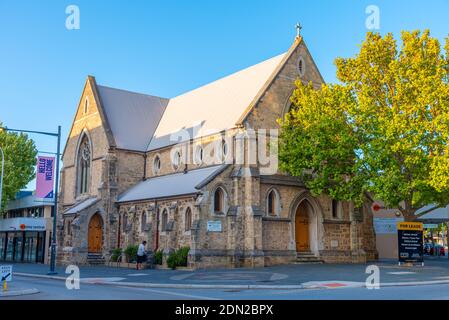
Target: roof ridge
(229,75)
(133,92)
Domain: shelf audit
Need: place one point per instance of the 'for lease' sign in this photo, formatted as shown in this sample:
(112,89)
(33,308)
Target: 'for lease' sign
(410,242)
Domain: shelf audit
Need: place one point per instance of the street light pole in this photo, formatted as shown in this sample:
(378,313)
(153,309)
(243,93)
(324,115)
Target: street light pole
(55,211)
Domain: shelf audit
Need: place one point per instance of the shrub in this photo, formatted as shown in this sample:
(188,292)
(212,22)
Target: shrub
(131,253)
(182,256)
(157,259)
(116,254)
(172,261)
(178,258)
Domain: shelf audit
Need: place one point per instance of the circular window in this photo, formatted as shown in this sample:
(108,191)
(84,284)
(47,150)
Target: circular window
(176,160)
(199,155)
(301,67)
(156,165)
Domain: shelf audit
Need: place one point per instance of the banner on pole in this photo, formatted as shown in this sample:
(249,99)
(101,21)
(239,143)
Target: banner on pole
(45,177)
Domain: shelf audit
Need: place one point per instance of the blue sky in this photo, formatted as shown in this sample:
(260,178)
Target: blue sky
(168,47)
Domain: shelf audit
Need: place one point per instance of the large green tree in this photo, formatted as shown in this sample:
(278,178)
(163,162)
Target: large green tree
(382,130)
(20,161)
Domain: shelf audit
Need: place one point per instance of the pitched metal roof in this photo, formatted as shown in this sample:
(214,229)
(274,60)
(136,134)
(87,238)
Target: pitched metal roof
(133,117)
(214,107)
(81,206)
(170,185)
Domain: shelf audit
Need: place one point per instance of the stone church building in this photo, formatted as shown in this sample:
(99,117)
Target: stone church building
(198,170)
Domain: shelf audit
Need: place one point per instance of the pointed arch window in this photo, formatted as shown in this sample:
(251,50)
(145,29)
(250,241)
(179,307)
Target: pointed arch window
(219,201)
(188,219)
(84,162)
(164,220)
(273,203)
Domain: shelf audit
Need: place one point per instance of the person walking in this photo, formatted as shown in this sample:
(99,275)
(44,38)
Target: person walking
(141,254)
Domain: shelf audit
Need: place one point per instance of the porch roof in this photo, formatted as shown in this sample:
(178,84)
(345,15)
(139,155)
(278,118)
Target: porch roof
(81,206)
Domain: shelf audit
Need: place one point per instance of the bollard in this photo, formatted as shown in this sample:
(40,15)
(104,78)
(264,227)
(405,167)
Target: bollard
(5,286)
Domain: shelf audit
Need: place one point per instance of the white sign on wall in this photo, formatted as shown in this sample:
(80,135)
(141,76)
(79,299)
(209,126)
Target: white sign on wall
(214,226)
(386,225)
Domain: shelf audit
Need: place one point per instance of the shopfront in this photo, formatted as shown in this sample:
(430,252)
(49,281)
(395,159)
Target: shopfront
(23,240)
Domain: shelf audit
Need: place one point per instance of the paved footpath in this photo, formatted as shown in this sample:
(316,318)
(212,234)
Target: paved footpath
(296,276)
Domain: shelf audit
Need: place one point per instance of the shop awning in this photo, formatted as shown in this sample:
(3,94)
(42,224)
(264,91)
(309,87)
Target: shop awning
(439,215)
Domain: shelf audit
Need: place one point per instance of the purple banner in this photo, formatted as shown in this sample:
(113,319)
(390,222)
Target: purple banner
(45,177)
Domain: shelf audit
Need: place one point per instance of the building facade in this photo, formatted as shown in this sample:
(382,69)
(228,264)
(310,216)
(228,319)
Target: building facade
(26,229)
(200,170)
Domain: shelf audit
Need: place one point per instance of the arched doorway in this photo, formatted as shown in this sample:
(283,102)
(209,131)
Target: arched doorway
(95,234)
(302,227)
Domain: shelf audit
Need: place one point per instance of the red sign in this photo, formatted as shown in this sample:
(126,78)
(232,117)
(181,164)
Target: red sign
(22,226)
(376,207)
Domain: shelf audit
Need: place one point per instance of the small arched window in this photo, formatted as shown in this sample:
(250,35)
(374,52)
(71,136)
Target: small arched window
(86,106)
(143,221)
(199,155)
(336,209)
(69,228)
(84,160)
(301,67)
(156,165)
(219,200)
(273,203)
(188,219)
(125,221)
(176,160)
(164,220)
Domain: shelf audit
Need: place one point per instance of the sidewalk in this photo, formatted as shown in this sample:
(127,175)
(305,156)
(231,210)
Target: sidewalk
(284,277)
(14,291)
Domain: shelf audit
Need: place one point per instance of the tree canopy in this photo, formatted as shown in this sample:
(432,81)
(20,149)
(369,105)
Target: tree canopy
(20,161)
(382,130)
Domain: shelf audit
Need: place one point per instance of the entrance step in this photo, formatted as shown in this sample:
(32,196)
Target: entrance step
(307,257)
(95,259)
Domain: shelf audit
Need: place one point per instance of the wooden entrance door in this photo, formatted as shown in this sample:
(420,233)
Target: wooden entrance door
(302,228)
(95,234)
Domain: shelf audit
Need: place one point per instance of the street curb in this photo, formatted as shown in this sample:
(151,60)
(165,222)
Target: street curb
(224,286)
(167,285)
(16,293)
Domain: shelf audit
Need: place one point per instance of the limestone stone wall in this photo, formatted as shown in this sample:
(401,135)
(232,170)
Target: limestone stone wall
(89,123)
(188,150)
(130,169)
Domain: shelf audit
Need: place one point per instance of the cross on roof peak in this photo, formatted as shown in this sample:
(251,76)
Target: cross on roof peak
(298,30)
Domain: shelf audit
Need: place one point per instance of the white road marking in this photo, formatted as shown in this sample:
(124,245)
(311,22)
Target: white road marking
(136,274)
(99,280)
(401,272)
(172,293)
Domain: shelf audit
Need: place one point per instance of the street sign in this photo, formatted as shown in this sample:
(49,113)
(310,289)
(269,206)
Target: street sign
(410,242)
(6,273)
(430,226)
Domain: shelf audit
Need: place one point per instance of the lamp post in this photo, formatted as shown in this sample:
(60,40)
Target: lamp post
(55,211)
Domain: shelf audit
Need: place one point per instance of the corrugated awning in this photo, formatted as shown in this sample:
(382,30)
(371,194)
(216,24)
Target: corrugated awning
(438,215)
(171,185)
